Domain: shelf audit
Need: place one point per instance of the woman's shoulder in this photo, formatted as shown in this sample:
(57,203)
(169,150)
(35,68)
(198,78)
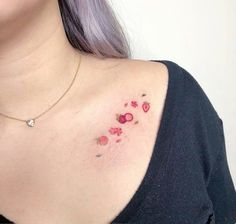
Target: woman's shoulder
(127,78)
(130,68)
(156,76)
(188,97)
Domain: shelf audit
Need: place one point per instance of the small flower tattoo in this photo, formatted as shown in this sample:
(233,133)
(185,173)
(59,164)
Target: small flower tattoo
(102,140)
(123,118)
(134,103)
(129,116)
(114,131)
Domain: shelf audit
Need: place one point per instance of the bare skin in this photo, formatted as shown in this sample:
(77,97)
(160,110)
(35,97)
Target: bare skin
(56,172)
(57,177)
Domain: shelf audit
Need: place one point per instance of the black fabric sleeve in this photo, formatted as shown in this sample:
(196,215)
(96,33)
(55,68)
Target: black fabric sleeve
(3,220)
(221,188)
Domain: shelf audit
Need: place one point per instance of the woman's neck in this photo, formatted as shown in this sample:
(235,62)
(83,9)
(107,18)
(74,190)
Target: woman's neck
(36,61)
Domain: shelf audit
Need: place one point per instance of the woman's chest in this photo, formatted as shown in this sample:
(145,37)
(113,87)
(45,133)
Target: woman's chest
(68,175)
(80,167)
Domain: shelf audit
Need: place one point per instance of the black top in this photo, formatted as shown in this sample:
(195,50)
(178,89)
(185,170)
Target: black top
(188,179)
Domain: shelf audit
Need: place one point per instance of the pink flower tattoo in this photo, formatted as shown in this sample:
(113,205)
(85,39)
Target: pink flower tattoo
(102,140)
(134,103)
(114,131)
(123,118)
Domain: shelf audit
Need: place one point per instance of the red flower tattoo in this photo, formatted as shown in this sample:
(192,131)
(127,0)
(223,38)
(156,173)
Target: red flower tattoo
(123,118)
(102,140)
(134,103)
(129,116)
(114,131)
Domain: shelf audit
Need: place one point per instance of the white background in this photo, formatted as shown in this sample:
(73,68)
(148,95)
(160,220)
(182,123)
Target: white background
(200,36)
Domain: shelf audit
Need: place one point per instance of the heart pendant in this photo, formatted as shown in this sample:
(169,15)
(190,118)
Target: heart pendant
(30,122)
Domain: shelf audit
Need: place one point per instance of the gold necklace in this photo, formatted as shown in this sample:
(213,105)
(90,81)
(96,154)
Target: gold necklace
(31,122)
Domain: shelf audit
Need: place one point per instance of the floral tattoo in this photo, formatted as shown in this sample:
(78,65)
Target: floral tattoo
(122,119)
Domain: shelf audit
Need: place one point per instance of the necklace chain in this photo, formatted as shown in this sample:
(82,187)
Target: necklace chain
(31,122)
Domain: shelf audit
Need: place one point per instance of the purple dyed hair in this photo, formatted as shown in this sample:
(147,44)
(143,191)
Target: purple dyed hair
(91,26)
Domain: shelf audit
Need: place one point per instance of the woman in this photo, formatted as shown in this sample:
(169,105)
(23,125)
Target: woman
(89,135)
